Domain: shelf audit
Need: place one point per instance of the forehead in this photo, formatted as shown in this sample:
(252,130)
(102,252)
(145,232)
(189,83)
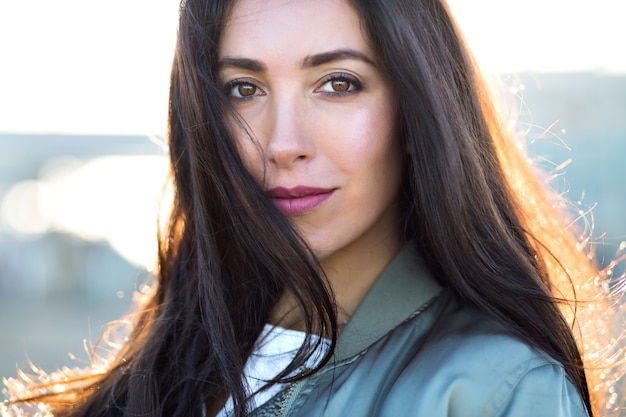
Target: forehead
(281,28)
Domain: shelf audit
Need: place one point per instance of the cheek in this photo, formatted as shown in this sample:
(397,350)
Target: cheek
(366,140)
(249,152)
(250,136)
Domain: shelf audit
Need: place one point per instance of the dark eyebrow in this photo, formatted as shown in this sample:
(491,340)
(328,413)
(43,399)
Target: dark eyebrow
(308,62)
(242,63)
(326,57)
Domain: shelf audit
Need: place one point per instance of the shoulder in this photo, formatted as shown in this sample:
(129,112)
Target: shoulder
(478,368)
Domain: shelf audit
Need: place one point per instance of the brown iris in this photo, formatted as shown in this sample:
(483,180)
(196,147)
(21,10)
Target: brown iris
(246,90)
(340,85)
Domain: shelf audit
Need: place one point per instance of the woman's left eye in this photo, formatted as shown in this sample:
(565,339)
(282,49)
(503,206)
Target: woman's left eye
(340,84)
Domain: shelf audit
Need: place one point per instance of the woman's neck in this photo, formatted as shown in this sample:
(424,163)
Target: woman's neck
(351,272)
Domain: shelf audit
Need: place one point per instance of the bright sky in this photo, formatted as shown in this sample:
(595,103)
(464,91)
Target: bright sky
(78,66)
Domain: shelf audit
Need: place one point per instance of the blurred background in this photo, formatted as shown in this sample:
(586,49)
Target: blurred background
(83,101)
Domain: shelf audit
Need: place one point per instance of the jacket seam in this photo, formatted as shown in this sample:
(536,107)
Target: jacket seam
(503,396)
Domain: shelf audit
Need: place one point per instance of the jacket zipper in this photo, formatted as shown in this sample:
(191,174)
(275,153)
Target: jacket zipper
(290,396)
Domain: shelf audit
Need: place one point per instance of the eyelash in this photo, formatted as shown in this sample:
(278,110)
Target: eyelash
(353,84)
(232,89)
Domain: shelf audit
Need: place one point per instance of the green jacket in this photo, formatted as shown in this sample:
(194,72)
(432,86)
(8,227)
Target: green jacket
(411,349)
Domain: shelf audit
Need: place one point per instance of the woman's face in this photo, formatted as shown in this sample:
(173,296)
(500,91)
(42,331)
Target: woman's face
(304,79)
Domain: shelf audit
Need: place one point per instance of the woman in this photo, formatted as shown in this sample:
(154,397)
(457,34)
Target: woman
(352,233)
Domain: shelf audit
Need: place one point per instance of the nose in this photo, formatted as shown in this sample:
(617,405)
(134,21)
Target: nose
(289,141)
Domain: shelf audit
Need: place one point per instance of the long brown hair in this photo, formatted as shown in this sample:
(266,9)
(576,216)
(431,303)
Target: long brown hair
(485,226)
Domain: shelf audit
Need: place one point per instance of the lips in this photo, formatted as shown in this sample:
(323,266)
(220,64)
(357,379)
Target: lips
(298,200)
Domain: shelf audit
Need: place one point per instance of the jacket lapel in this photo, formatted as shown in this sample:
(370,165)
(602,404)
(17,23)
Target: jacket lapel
(403,287)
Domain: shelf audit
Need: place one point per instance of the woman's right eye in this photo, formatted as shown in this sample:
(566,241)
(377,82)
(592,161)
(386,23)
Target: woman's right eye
(242,90)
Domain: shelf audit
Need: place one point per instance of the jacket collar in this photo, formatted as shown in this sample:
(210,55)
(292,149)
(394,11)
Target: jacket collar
(404,286)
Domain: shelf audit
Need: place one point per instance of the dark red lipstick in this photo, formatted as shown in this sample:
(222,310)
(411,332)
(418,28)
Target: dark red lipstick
(298,200)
